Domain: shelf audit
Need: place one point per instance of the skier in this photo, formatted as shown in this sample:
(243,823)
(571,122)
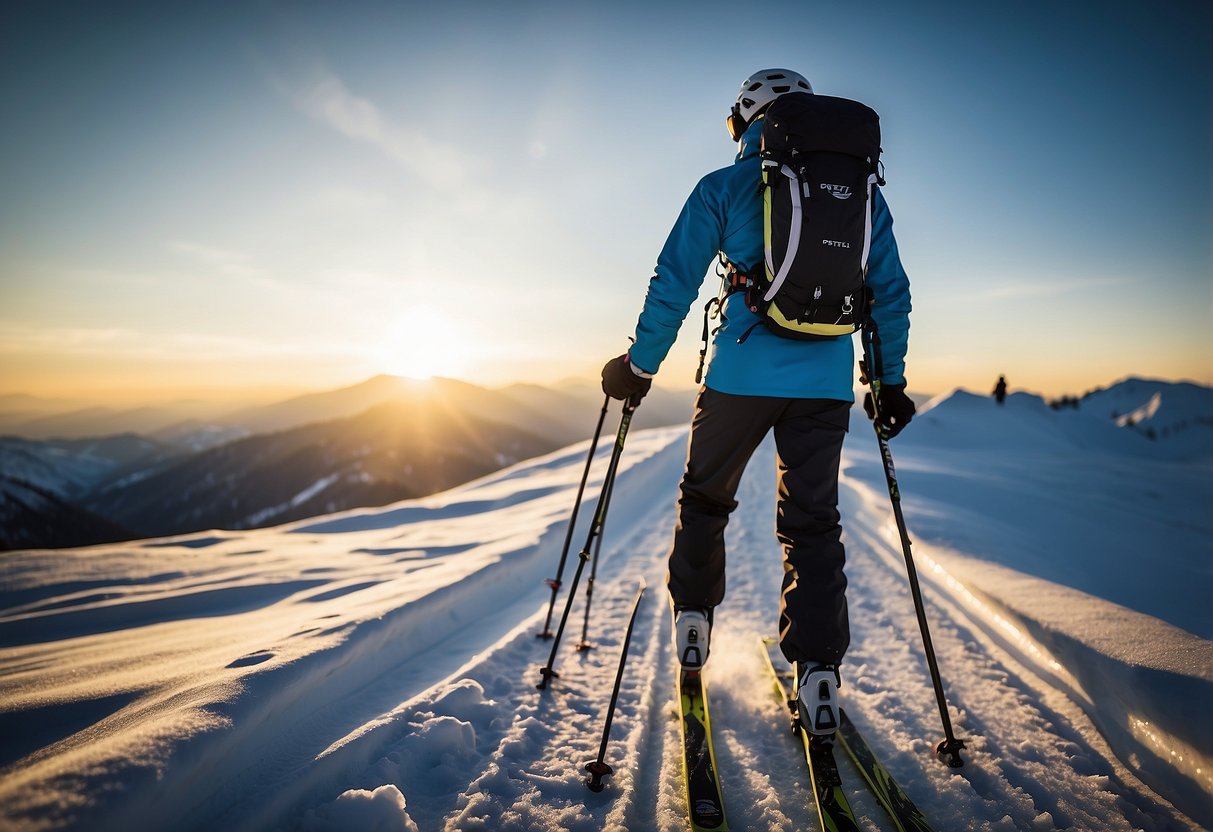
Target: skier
(1000,389)
(803,390)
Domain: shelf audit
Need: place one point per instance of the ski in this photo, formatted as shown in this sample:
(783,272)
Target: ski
(704,799)
(905,815)
(833,809)
(901,810)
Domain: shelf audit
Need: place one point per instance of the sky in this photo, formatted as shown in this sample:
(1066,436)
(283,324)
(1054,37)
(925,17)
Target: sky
(198,199)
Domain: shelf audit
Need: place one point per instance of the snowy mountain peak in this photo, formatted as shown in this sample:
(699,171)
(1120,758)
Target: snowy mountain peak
(1178,415)
(1136,416)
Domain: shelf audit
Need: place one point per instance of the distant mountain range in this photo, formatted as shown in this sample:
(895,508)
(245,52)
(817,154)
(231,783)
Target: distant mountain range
(384,440)
(31,417)
(35,518)
(377,442)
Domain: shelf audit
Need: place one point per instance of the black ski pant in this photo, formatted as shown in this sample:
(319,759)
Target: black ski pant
(725,431)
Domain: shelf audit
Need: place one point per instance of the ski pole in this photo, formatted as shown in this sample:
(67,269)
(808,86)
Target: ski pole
(599,768)
(948,749)
(546,672)
(585,644)
(554,583)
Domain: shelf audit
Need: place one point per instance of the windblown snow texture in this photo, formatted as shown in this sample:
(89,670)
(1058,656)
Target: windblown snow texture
(376,669)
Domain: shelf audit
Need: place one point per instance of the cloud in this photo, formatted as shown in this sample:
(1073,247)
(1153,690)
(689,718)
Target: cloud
(1028,289)
(222,261)
(19,338)
(116,342)
(327,99)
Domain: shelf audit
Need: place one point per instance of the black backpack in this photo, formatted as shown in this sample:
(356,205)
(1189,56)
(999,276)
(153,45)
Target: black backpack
(820,163)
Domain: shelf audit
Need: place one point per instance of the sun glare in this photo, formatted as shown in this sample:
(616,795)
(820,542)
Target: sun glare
(422,343)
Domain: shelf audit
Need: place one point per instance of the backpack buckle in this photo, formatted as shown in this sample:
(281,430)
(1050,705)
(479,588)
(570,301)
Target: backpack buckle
(734,279)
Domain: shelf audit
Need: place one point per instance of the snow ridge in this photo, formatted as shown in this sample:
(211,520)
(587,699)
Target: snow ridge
(379,666)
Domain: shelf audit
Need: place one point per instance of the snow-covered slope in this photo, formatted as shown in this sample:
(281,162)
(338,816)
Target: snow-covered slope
(1178,415)
(1064,495)
(377,669)
(68,468)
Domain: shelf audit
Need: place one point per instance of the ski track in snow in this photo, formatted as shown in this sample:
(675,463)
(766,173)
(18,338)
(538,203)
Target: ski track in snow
(391,681)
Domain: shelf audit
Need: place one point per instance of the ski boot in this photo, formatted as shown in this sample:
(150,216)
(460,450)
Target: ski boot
(817,698)
(692,631)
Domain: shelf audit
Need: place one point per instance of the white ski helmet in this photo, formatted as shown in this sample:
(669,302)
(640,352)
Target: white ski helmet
(758,91)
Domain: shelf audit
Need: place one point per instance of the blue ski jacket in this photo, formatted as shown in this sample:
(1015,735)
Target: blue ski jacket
(724,214)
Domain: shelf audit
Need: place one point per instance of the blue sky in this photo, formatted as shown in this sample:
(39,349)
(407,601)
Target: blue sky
(301,195)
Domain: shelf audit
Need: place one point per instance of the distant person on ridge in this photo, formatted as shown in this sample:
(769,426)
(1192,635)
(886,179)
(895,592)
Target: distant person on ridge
(758,381)
(1000,389)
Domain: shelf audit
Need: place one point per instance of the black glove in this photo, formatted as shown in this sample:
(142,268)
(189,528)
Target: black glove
(896,409)
(619,381)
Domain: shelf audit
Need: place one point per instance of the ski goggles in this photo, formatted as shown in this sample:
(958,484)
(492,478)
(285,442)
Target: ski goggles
(736,123)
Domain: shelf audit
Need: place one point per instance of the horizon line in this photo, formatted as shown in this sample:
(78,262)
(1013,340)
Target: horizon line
(281,393)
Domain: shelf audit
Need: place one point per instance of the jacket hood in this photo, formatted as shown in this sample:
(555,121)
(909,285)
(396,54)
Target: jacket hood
(751,140)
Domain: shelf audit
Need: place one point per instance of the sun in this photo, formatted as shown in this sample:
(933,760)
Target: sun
(423,342)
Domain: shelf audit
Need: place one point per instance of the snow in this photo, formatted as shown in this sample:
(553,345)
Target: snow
(376,669)
(1180,415)
(381,810)
(50,468)
(259,517)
